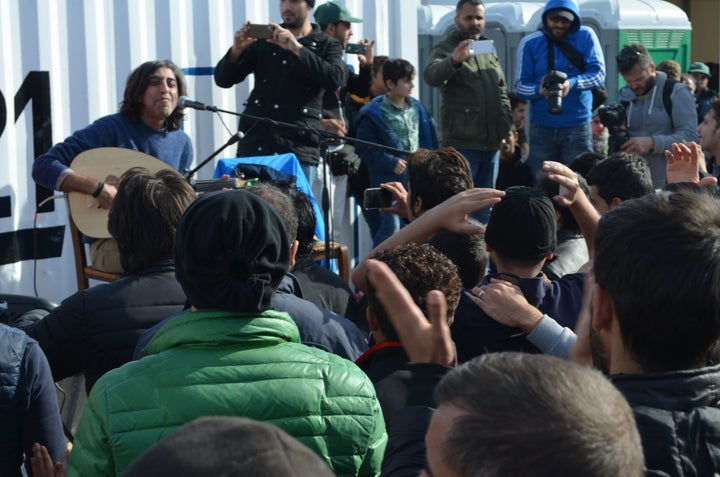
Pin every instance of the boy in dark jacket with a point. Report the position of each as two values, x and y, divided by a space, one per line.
396 120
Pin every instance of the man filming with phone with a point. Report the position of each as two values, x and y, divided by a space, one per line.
475 115
292 68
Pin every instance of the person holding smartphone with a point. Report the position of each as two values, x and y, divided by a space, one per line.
292 69
475 115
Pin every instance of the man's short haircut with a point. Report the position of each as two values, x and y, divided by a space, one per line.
467 252
715 108
515 100
657 258
535 415
435 175
631 55
145 213
584 162
395 69
624 175
420 268
280 200
378 62
671 68
461 3
136 85
306 222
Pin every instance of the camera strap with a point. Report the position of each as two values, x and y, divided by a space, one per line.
576 58
570 52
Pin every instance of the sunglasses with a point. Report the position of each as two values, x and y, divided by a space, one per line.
629 57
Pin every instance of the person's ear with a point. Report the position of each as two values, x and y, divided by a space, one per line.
293 251
603 309
417 206
616 201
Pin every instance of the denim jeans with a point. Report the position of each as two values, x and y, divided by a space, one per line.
557 144
310 171
484 168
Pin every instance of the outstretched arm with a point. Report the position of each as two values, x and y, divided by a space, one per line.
573 197
505 303
450 215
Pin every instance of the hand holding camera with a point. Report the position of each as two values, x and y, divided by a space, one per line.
554 87
613 117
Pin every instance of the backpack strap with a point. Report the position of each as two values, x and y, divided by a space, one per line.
667 91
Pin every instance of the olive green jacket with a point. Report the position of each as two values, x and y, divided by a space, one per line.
475 112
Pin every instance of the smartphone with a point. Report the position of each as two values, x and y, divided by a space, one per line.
478 47
377 198
262 32
356 48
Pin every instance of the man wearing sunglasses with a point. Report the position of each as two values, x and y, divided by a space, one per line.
559 66
659 111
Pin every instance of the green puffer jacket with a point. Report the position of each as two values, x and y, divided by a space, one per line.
214 363
475 112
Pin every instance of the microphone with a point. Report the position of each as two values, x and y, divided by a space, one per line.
185 102
235 138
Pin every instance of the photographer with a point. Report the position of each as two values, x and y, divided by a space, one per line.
560 65
659 111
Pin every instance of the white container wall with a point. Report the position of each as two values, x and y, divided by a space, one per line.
64 64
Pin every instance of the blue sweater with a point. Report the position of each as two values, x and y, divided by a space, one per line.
115 130
532 61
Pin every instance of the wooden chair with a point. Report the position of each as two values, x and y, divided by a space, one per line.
338 251
83 271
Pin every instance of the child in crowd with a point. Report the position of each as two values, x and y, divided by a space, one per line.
397 120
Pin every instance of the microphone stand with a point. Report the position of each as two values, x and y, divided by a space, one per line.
325 135
190 173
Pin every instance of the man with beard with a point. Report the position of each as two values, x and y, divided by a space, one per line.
656 323
292 70
149 121
652 323
656 118
562 61
475 115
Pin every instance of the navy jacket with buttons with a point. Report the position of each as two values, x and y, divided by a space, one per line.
288 89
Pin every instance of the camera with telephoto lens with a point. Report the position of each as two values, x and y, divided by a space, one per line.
553 82
613 117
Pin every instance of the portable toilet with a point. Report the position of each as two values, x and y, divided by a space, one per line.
662 27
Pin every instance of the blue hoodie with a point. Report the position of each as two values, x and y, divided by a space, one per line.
532 61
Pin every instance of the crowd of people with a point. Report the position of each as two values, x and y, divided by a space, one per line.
540 300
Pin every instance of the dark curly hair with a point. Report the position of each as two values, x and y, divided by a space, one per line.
420 268
435 175
136 85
